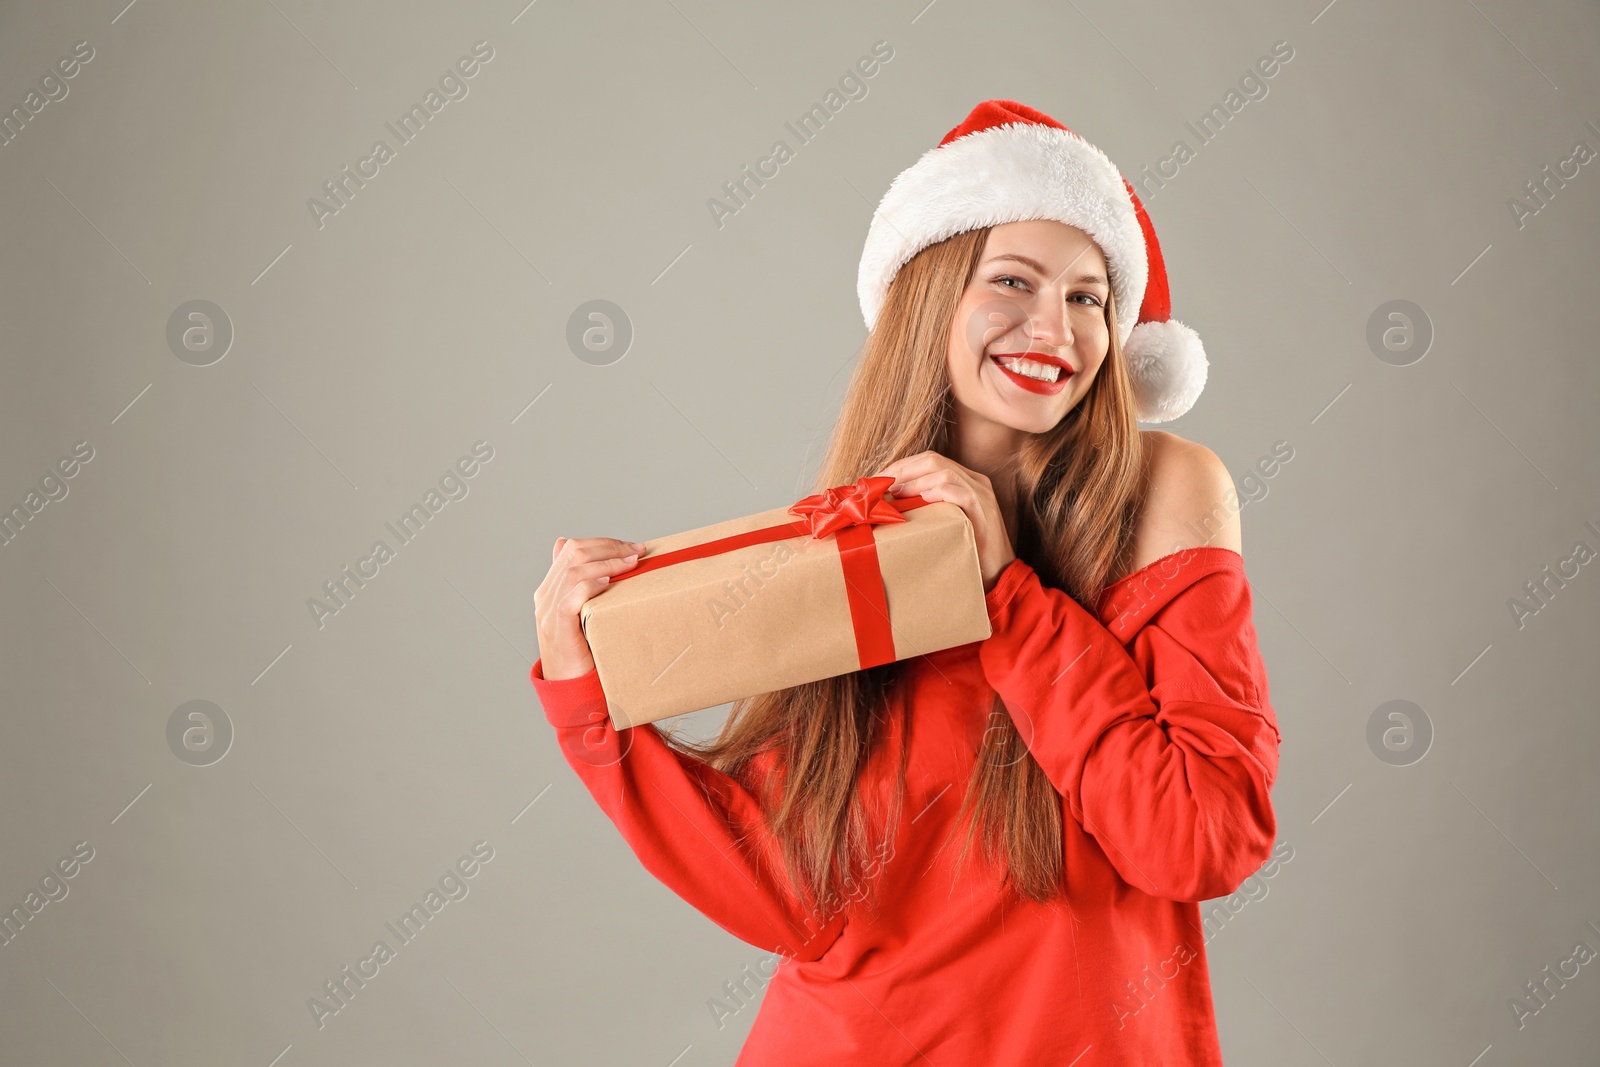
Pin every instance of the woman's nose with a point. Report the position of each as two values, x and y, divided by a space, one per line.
1049 324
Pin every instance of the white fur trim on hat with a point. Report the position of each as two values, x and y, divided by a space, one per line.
1167 364
1008 173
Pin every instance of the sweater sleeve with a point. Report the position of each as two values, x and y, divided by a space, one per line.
699 831
1164 750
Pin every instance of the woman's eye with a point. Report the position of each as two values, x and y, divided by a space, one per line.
1008 278
1094 301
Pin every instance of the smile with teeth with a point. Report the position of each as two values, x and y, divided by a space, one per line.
1045 372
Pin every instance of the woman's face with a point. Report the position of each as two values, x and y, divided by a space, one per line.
1039 294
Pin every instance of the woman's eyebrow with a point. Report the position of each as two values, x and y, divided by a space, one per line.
1036 265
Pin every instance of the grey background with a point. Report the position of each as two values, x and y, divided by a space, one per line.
428 314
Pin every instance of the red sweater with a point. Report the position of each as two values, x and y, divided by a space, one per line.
1153 723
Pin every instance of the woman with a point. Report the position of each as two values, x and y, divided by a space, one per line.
1111 743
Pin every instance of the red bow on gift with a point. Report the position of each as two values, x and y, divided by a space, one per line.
849 512
848 505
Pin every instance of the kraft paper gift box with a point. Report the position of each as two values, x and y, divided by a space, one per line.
837 582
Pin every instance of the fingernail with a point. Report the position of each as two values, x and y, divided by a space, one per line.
630 559
604 578
637 544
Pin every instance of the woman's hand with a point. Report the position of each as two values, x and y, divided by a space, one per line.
580 567
935 477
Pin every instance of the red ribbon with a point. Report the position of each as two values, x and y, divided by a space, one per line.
849 513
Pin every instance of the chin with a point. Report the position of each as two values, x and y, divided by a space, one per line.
1029 422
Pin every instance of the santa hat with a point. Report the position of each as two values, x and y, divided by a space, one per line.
1007 163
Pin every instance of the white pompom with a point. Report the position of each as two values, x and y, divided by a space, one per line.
1167 364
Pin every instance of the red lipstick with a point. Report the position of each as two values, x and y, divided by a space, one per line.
1034 385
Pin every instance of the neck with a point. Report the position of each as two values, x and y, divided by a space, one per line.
991 449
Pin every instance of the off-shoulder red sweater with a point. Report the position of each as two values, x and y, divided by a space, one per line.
1153 723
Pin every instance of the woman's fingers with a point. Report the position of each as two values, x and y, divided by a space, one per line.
601 569
585 549
579 560
587 563
913 484
577 595
936 477
580 568
959 495
923 464
920 463
584 581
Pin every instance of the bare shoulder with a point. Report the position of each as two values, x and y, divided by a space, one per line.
1189 500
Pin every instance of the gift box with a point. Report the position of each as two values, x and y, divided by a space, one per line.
836 582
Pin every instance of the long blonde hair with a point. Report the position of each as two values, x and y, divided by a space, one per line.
1078 485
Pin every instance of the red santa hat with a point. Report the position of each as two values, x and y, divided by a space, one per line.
1007 163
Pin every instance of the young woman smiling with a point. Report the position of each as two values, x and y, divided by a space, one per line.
1111 744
